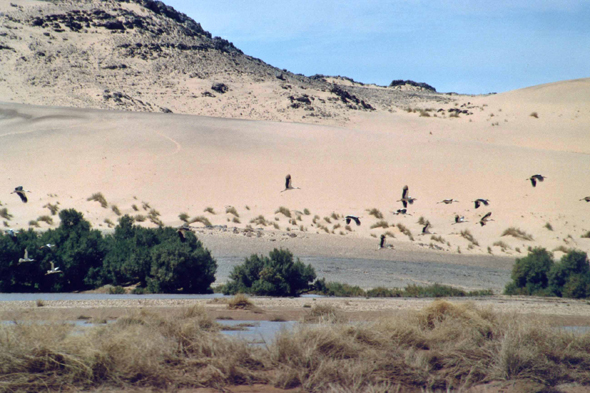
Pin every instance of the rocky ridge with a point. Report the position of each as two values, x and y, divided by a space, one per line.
142 55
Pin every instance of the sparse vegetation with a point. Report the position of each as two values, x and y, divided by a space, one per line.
4 214
327 219
375 212
139 218
380 224
232 210
467 235
183 217
439 239
134 207
284 211
240 302
335 216
34 223
209 210
154 217
98 197
109 223
146 206
52 208
116 210
535 115
306 212
402 228
202 219
435 290
549 226
260 220
503 246
517 233
46 219
586 235
236 220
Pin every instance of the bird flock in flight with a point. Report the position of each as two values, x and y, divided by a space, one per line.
406 200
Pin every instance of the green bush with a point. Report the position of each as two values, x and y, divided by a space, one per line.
537 274
275 275
572 267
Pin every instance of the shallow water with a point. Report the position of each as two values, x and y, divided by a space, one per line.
261 333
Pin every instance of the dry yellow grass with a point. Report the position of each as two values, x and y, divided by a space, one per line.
445 346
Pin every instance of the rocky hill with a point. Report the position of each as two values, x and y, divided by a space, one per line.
142 55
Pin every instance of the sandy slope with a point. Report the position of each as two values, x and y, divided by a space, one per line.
182 163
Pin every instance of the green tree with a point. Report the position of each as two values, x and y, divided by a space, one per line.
275 275
530 274
573 266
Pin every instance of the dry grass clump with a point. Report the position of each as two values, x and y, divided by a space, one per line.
306 212
240 302
335 216
283 210
116 209
183 217
467 235
260 220
535 115
154 217
52 208
46 219
437 238
324 313
380 224
4 214
139 218
135 208
236 220
34 223
549 226
327 219
517 233
502 245
375 212
444 347
586 235
109 223
98 197
202 219
402 228
209 209
232 210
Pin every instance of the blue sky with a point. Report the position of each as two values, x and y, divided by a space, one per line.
464 46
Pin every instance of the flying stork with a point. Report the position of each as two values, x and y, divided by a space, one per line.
534 179
447 201
26 258
53 269
21 193
288 185
459 219
406 198
484 220
480 201
353 218
425 230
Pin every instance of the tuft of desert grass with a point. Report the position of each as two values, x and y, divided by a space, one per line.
586 235
380 224
240 302
260 220
139 218
236 220
517 233
437 238
46 219
202 219
534 114
34 223
98 197
116 210
154 217
502 245
4 214
549 226
232 210
375 212
209 210
135 208
53 209
306 212
467 235
324 313
109 223
402 228
284 211
183 217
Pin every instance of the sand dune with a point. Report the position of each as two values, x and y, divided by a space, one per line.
183 163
